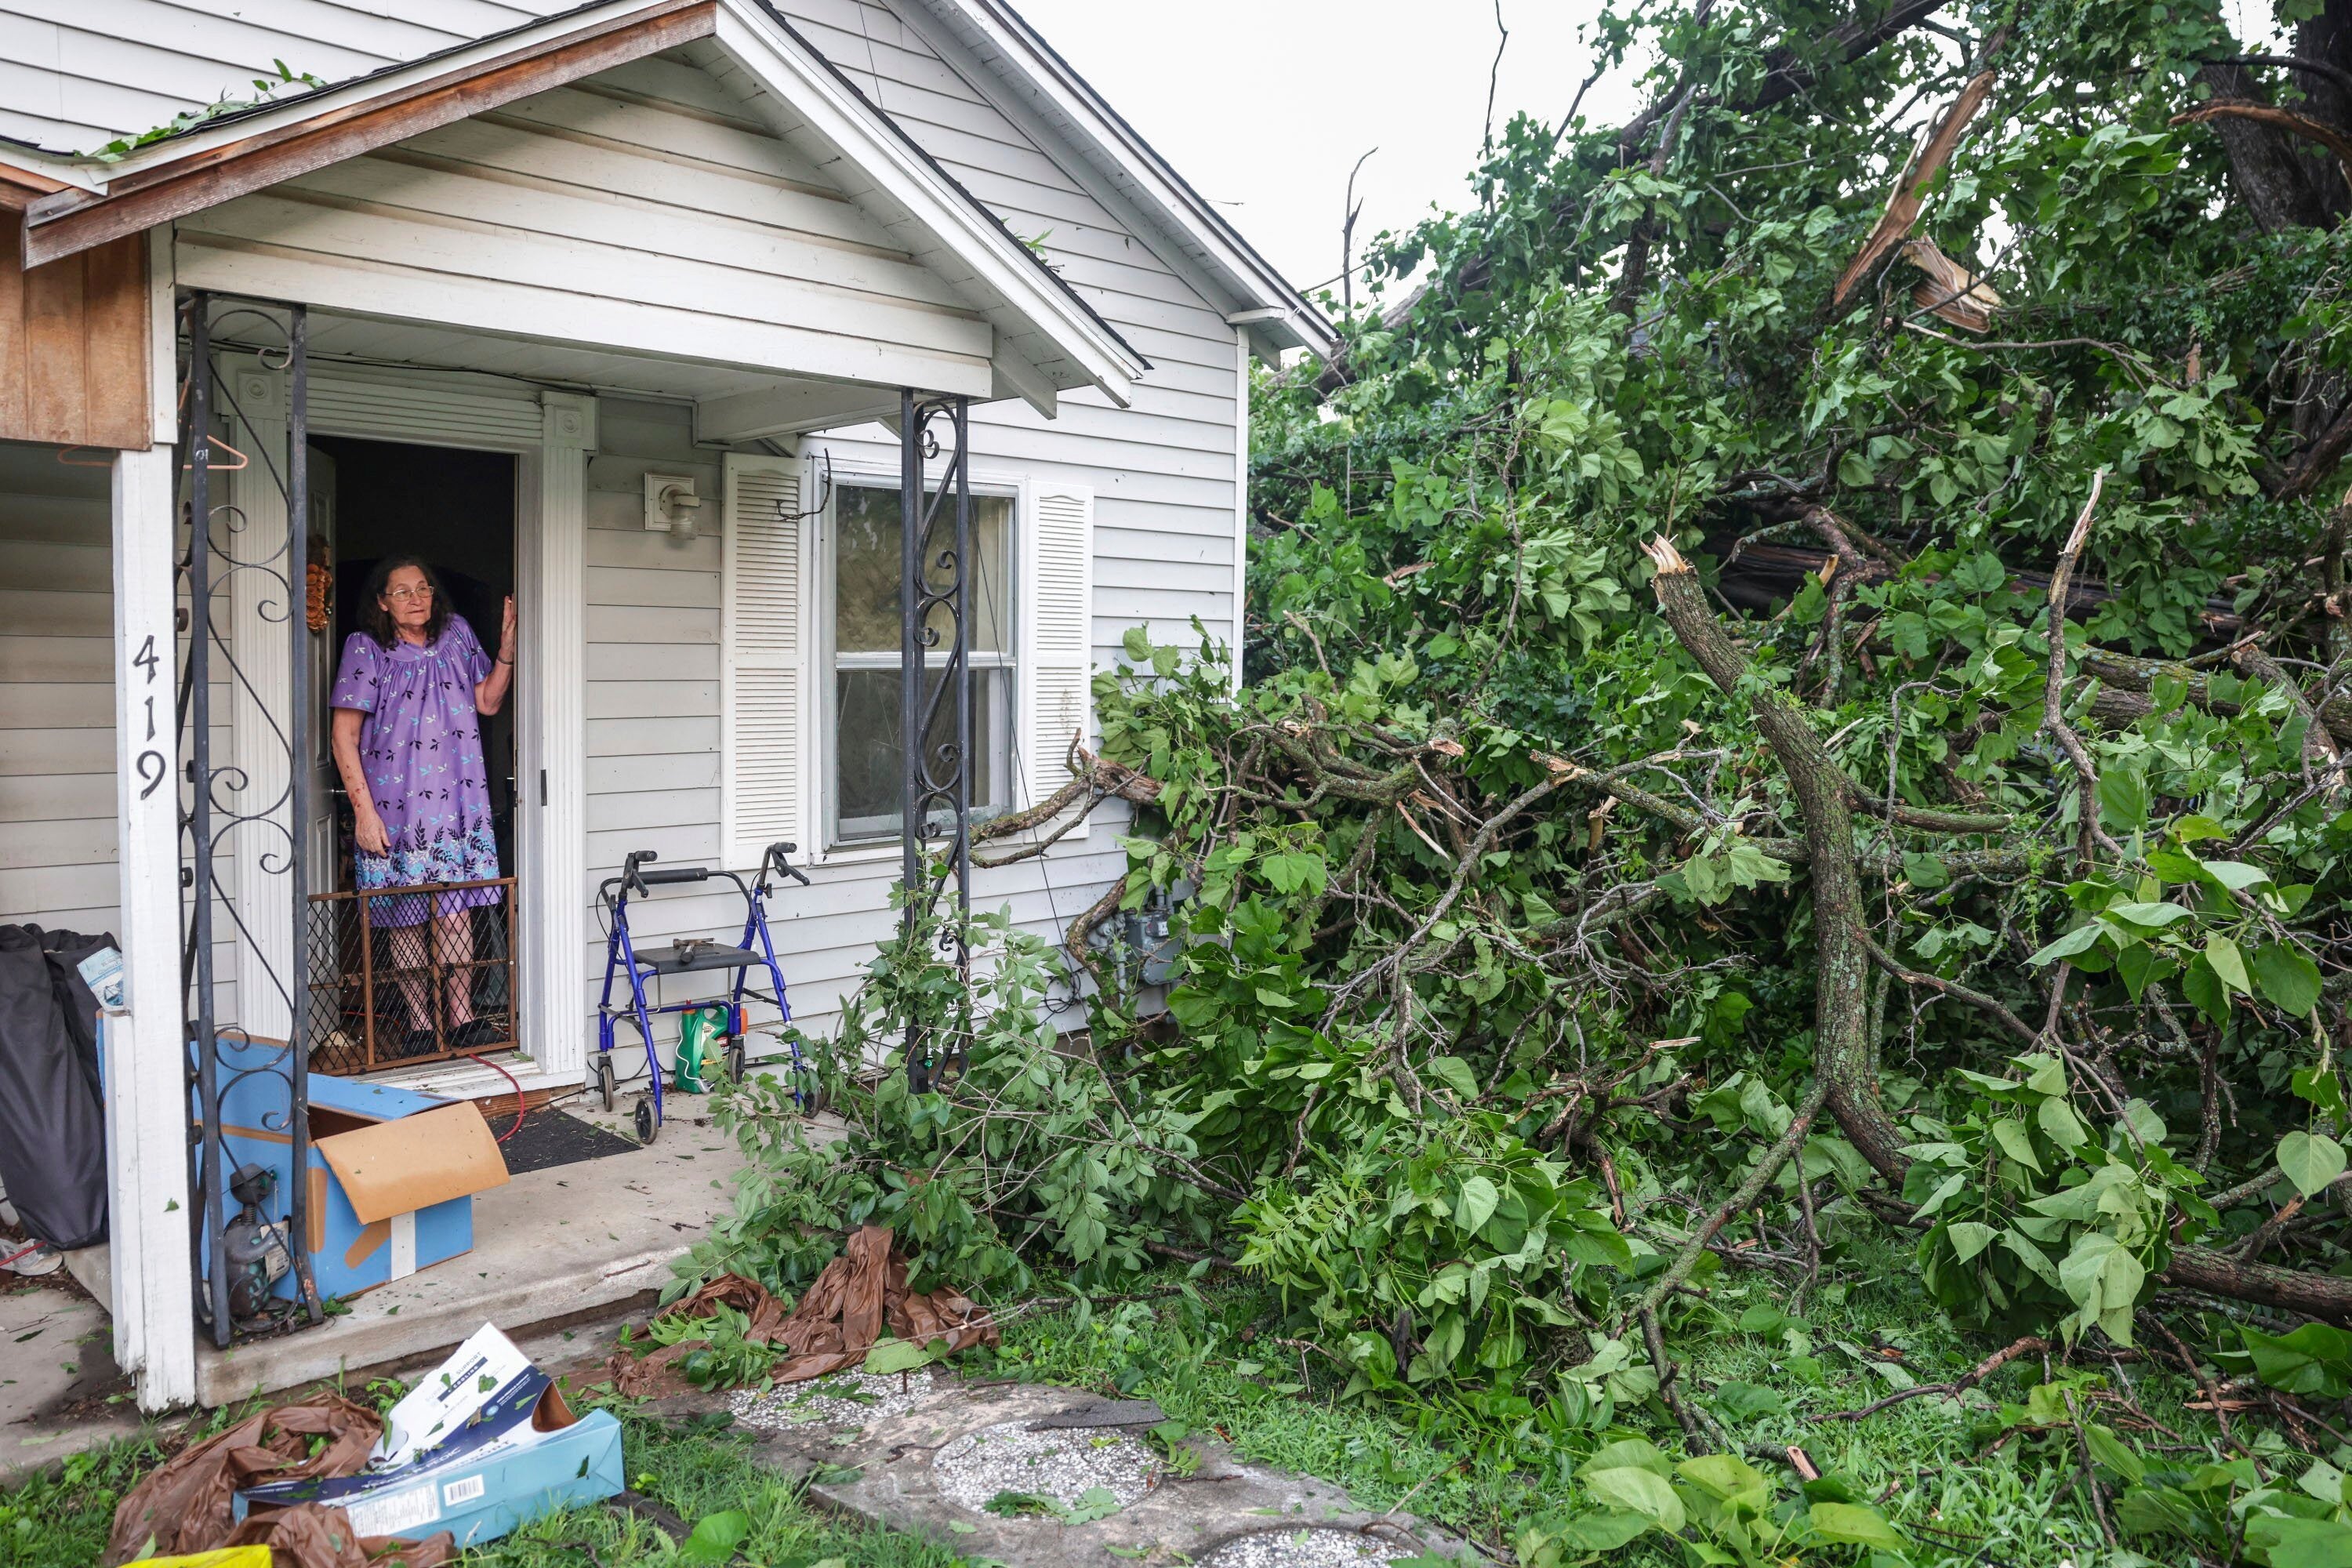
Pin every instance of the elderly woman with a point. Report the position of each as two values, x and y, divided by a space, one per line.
408 702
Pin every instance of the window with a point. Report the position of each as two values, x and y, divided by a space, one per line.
861 641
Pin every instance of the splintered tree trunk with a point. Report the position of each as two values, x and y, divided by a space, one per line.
1844 1056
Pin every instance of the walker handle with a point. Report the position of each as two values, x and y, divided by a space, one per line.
775 857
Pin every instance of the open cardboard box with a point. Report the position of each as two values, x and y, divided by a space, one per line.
391 1175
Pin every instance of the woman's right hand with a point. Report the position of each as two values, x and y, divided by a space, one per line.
367 831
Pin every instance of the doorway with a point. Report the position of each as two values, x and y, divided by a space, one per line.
456 509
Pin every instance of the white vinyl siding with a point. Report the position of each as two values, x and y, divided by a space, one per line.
636 212
57 692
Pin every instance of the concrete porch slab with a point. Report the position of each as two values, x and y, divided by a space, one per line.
574 1242
56 1369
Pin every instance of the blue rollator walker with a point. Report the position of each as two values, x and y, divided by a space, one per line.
691 955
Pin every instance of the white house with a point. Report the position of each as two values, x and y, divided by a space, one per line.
613 308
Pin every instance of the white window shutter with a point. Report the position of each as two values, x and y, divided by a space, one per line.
764 704
1057 597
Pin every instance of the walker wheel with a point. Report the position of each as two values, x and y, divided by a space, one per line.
605 1081
738 1059
809 1090
645 1128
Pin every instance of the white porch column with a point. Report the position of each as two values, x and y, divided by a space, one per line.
552 734
154 1301
261 720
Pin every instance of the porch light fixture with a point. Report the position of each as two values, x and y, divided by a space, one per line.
671 504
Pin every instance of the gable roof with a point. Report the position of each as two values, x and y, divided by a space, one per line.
1258 295
1057 341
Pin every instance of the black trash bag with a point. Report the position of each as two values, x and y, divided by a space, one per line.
52 1128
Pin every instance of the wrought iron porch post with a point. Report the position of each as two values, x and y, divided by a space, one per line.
213 564
935 758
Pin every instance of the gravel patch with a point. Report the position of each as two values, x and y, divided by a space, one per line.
1310 1548
1062 1466
844 1399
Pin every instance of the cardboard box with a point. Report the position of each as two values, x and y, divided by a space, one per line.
482 1445
391 1175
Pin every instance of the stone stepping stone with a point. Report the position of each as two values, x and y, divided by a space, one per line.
927 1458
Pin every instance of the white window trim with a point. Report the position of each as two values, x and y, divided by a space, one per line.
825 732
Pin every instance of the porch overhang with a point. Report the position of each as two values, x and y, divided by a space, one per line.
1041 339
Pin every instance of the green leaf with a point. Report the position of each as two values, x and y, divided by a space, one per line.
2067 946
2205 991
1925 872
2287 978
2229 964
2235 875
1725 1477
2059 1120
901 1356
1455 1074
2289 1542
1604 1532
1477 1202
1850 1524
2154 916
2311 1161
2123 799
2010 1135
1633 1491
716 1537
1969 1238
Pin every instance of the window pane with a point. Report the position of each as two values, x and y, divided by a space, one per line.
865 571
865 789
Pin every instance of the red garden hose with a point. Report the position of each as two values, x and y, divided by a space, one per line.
518 1088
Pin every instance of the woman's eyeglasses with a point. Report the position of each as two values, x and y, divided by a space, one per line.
401 595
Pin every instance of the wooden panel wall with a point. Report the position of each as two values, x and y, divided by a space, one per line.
73 343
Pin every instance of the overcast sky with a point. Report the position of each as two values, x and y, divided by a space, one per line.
1264 105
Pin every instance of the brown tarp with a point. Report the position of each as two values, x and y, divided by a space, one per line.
184 1508
831 1329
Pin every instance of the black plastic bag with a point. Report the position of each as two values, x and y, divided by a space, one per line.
52 1127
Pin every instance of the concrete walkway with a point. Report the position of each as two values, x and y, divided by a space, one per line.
882 1462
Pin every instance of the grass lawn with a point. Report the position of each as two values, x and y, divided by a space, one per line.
1205 1356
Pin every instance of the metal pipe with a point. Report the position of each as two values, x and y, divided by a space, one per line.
910 674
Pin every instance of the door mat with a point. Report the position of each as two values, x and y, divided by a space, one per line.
550 1137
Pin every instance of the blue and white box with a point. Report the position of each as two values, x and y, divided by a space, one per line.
483 1445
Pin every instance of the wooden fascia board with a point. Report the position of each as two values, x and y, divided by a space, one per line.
71 221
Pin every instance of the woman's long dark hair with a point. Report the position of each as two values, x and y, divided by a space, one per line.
377 620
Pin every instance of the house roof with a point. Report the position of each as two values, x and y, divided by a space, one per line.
248 149
1259 295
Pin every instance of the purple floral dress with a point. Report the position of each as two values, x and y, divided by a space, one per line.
421 749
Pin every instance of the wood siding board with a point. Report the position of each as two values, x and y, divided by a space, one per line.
116 321
56 406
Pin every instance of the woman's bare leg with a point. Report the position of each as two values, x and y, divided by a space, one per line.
453 938
408 965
